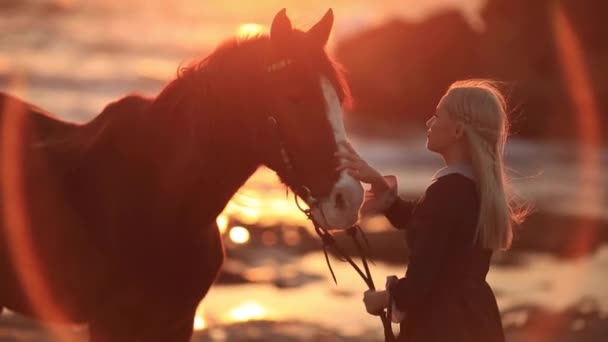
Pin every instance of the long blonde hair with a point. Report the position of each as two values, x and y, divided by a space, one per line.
481 108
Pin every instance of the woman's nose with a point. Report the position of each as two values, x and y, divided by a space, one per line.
428 122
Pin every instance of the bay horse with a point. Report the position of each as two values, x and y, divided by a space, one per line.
112 222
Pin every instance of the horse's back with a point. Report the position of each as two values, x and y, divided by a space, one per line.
36 222
45 124
22 126
59 194
91 246
41 160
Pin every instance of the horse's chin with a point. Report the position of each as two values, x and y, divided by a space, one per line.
330 218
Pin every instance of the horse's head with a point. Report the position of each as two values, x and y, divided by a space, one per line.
304 123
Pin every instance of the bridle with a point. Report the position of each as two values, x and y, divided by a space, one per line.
327 238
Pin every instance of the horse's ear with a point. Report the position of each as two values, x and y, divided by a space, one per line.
320 31
281 27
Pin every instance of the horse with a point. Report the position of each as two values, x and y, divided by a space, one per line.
111 222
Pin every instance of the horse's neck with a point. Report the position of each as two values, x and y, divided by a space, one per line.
220 178
188 167
216 146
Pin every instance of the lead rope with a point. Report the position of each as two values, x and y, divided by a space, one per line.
326 237
328 240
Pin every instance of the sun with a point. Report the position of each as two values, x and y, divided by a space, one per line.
250 30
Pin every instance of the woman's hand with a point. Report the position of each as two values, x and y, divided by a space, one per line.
375 301
360 169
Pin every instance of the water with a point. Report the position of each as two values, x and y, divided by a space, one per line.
543 280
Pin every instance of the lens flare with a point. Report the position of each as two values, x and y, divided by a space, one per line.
576 77
24 256
580 91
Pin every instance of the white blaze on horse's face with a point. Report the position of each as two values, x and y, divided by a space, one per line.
340 209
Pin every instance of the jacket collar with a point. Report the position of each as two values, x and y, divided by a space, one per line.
461 169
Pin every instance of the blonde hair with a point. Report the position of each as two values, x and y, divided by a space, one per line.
481 108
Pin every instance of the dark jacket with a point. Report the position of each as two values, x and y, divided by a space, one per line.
444 294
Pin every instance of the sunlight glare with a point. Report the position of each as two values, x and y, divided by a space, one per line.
247 312
30 272
199 323
239 235
250 30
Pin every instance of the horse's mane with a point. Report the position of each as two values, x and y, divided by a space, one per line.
252 51
203 87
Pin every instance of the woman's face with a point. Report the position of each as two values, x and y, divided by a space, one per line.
443 130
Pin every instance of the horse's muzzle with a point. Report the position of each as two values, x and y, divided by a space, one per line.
339 210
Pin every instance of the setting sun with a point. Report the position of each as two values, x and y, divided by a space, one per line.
250 30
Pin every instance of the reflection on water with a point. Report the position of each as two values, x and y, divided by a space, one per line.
199 322
262 201
239 235
247 311
542 280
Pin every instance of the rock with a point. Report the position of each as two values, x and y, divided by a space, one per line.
578 323
399 71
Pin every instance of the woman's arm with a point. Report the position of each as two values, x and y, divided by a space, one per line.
400 212
382 197
387 201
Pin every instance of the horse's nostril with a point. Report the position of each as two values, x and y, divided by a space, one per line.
340 203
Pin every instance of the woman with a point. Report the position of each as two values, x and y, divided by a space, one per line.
452 231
